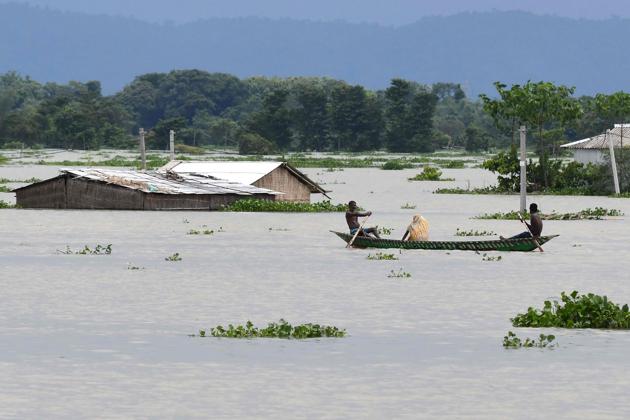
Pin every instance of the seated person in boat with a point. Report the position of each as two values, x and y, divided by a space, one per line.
535 224
352 218
418 230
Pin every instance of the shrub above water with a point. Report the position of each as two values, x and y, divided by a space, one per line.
576 311
255 205
281 329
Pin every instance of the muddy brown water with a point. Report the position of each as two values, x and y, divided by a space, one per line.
84 336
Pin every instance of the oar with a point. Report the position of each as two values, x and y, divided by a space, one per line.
357 232
530 232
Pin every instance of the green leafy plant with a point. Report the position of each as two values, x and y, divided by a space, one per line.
86 250
5 205
200 232
398 274
408 206
385 231
134 267
254 205
576 311
174 257
473 191
474 232
598 213
4 189
430 173
396 165
486 257
381 256
511 341
281 329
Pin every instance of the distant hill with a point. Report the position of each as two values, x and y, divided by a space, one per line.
472 48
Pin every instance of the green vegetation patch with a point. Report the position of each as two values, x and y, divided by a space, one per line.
379 256
4 188
255 205
200 232
430 173
408 206
511 341
474 232
5 205
174 257
576 311
473 191
86 250
152 162
3 159
397 164
330 163
281 329
399 274
598 213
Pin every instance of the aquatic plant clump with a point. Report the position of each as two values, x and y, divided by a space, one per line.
379 256
86 250
396 165
598 213
576 311
254 205
429 173
174 257
399 274
511 341
474 232
281 329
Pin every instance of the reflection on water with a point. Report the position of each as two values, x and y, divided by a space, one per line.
83 334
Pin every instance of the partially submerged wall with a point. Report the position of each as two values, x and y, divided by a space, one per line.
280 179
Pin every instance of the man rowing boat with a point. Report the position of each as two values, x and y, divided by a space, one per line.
535 225
352 218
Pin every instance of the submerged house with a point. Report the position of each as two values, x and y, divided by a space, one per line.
130 190
276 176
594 149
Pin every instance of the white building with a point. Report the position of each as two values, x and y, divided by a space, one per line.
593 149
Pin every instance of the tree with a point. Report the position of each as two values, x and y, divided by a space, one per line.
409 115
540 106
311 117
356 122
273 122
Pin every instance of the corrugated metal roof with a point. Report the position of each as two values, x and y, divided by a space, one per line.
153 182
243 172
601 141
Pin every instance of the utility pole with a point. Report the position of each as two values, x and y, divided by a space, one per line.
523 165
613 163
172 144
143 155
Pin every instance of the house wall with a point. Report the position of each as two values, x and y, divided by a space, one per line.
87 194
281 180
80 193
49 194
588 156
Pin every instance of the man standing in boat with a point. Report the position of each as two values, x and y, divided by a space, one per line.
535 225
352 218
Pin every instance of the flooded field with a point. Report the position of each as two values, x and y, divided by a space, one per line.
84 336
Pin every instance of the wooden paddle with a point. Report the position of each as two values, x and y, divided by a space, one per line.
530 232
357 232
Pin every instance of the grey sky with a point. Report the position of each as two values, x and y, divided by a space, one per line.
390 12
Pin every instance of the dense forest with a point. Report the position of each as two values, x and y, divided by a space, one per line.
262 115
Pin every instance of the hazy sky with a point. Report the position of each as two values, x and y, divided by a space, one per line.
391 12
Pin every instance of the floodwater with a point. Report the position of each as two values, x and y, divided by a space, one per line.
84 336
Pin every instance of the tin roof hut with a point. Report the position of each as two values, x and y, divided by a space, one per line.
108 189
594 149
276 176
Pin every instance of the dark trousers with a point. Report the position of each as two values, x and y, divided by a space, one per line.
522 235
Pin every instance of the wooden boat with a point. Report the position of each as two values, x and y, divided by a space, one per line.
523 245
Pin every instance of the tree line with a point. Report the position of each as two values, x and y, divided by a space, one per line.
263 115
